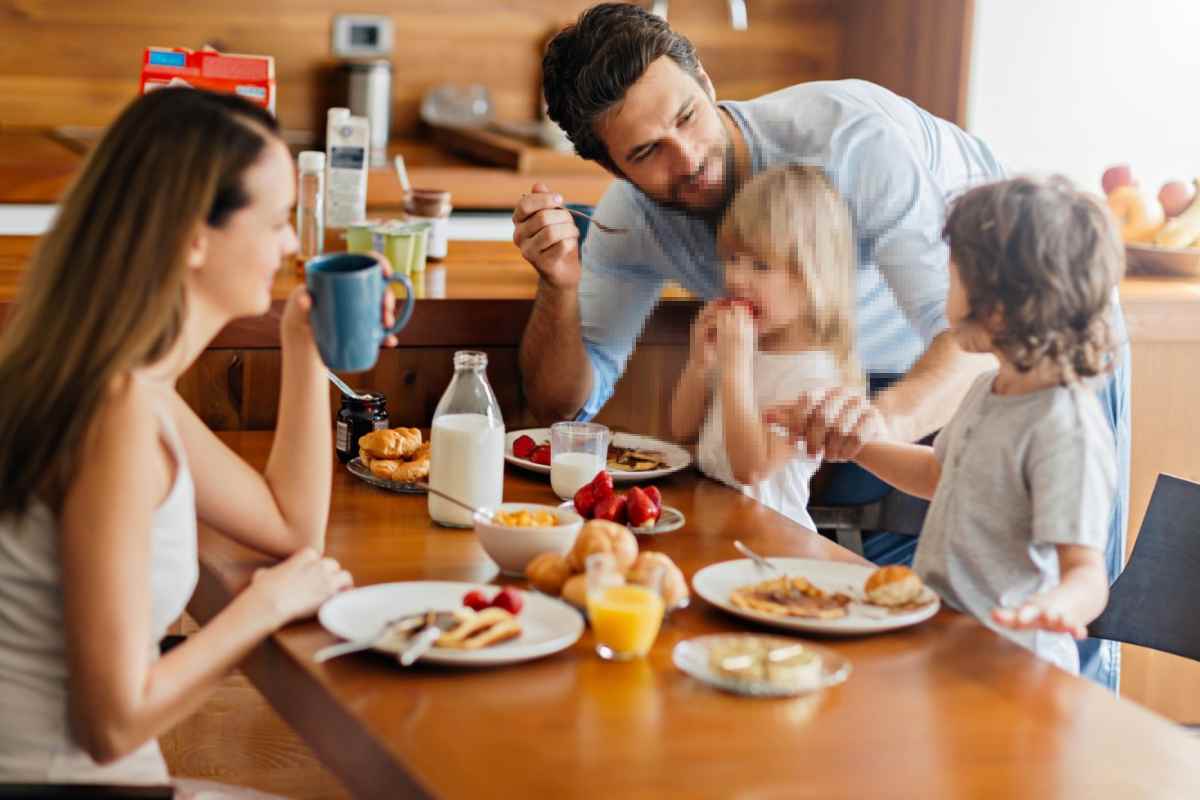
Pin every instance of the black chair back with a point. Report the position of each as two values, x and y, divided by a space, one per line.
1154 602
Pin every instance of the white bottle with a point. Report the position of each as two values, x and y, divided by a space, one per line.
466 458
347 142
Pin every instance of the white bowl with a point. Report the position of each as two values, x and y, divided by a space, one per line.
514 548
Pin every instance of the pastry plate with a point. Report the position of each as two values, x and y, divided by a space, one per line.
360 470
692 657
547 624
716 582
675 456
671 519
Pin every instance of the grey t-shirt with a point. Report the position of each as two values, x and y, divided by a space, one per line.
1020 475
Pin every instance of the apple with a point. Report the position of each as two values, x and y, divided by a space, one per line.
1115 177
1175 197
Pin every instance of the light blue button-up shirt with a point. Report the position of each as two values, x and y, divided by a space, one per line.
894 164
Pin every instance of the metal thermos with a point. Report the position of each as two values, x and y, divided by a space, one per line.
370 85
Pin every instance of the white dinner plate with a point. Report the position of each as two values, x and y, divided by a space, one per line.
547 624
677 458
716 582
671 519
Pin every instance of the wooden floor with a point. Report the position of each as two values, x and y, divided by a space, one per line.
237 738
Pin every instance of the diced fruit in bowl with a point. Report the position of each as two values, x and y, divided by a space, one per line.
513 548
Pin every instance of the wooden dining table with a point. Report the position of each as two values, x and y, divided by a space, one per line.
943 709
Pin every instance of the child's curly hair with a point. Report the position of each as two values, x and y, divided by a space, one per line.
1047 257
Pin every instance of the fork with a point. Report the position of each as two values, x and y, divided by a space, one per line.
595 222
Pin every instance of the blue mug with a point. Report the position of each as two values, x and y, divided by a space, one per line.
347 313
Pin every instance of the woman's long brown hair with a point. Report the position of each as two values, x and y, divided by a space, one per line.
104 291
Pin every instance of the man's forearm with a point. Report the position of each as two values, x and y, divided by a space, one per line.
927 397
554 364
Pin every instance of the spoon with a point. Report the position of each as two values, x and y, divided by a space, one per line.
483 512
402 174
345 388
597 223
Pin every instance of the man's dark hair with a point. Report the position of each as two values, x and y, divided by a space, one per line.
589 66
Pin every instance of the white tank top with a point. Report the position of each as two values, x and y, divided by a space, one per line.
778 378
35 736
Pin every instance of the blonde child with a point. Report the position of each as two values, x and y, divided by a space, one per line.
784 328
1023 477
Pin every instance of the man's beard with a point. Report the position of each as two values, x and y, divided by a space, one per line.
712 214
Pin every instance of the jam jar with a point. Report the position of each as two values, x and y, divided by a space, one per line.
358 418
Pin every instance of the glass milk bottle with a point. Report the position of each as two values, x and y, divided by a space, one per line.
466 444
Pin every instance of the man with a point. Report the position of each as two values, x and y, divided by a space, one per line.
632 95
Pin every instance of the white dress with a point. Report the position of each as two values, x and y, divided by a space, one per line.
778 378
35 737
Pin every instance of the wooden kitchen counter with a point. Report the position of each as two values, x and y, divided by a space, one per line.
37 166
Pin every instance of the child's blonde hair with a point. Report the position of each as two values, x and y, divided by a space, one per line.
793 215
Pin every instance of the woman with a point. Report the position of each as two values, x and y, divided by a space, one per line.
176 226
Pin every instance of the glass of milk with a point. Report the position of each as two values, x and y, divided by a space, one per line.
466 444
578 450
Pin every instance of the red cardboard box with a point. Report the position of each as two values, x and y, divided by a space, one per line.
251 77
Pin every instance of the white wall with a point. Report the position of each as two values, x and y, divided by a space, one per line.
1074 86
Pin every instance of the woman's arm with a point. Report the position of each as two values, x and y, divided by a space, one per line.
911 468
286 507
119 696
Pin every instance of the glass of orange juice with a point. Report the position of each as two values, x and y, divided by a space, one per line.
625 618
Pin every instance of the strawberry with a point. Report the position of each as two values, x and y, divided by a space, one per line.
523 446
602 484
541 455
655 497
508 599
612 508
476 600
585 501
640 508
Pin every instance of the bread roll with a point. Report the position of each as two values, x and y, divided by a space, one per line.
674 586
894 585
548 572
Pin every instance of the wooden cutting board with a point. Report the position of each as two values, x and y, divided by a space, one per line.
504 149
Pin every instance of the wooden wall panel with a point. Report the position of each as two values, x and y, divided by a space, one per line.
239 389
917 48
75 62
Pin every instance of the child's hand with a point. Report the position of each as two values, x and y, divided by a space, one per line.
704 336
736 334
1041 612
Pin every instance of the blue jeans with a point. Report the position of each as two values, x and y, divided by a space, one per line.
1099 659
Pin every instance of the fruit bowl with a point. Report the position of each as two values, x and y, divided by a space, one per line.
1146 259
513 548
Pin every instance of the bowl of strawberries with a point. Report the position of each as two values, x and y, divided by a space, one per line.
639 508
